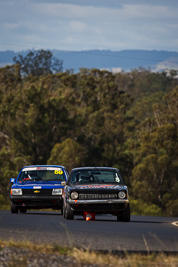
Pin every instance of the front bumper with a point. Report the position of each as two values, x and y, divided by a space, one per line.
108 206
98 201
37 201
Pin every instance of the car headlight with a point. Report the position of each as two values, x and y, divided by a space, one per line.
16 191
74 195
57 191
122 194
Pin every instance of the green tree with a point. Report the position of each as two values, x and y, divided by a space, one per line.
154 174
37 63
10 165
94 117
68 153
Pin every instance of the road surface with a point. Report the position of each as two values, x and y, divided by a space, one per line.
143 233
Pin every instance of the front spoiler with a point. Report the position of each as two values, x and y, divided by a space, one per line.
98 201
36 198
37 202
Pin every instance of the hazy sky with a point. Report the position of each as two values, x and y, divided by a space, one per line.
89 24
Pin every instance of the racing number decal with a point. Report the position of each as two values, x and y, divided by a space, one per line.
58 172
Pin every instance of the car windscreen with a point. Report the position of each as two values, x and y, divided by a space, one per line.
99 176
41 174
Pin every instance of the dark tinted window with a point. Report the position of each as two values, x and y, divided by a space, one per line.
95 176
42 174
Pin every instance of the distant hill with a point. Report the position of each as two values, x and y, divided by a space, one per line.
125 60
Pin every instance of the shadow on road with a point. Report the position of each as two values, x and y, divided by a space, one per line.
131 221
99 219
43 213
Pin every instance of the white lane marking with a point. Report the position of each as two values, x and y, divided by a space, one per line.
175 223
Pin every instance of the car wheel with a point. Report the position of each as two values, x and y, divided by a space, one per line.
23 210
126 214
14 208
69 214
119 217
64 211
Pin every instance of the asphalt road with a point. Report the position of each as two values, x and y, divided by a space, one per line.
143 233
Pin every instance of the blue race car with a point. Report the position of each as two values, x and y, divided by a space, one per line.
38 187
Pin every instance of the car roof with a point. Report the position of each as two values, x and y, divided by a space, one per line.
94 168
30 166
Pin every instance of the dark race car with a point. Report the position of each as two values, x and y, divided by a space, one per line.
96 190
37 187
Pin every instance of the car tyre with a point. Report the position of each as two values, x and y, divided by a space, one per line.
64 212
119 217
126 214
69 214
23 210
14 208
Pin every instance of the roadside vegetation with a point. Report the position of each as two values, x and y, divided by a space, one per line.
92 118
28 254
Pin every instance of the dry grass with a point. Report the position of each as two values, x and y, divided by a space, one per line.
125 260
44 248
91 257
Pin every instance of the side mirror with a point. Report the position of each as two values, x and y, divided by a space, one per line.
63 183
12 180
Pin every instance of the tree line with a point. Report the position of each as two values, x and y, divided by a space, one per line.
93 118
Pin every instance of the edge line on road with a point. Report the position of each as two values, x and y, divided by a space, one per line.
175 223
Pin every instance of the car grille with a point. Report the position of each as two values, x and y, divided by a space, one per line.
37 192
98 196
100 208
